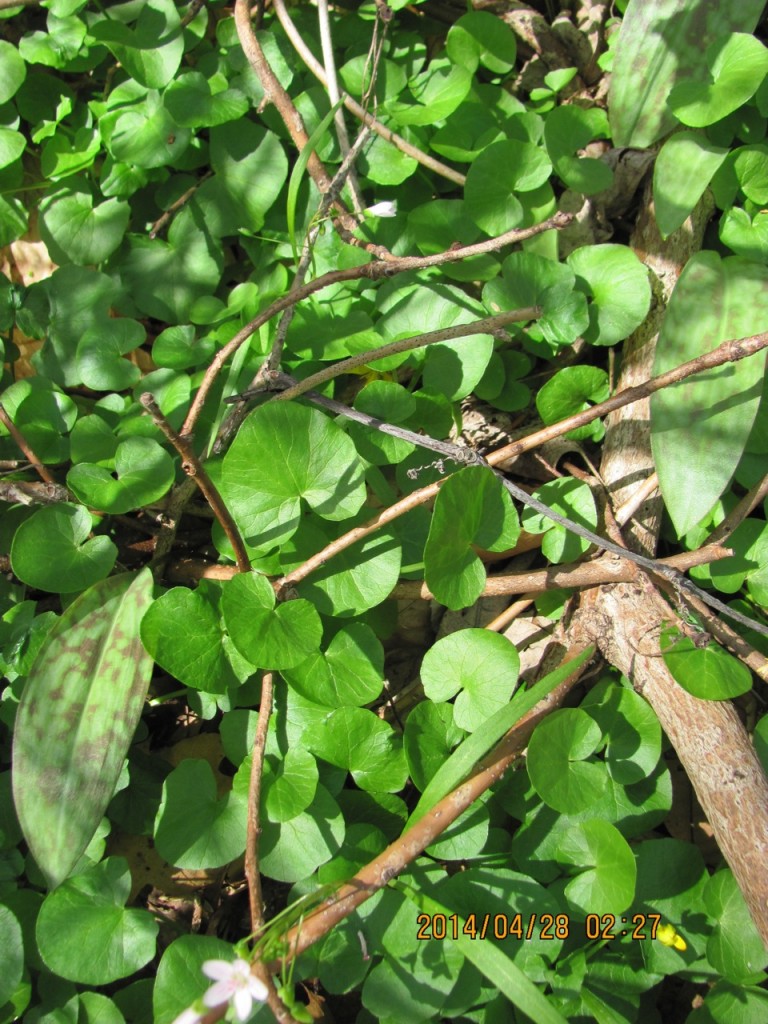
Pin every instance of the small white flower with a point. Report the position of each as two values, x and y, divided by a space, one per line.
234 984
386 208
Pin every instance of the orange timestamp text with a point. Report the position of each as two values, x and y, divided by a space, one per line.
536 926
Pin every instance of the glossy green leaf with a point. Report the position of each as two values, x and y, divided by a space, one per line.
76 719
182 632
78 231
572 390
557 761
468 753
735 948
147 135
502 170
437 91
605 882
572 499
270 636
617 288
569 129
481 667
749 167
358 578
472 510
357 740
683 169
289 784
151 51
630 728
322 468
86 933
294 849
530 280
12 145
52 551
737 67
13 71
180 979
11 949
699 427
192 103
710 673
349 673
44 415
100 352
662 43
429 737
478 38
188 265
207 833
391 403
145 472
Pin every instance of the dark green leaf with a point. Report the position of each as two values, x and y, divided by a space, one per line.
52 551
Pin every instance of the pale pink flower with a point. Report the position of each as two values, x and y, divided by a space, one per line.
234 984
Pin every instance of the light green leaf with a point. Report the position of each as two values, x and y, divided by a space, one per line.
76 719
289 784
180 979
557 761
530 280
479 38
182 632
710 673
360 742
661 43
11 948
630 728
144 471
12 145
429 737
205 833
481 667
735 948
349 673
75 230
292 850
192 103
13 71
147 136
570 391
320 466
737 68
683 169
272 637
100 352
151 52
438 91
52 551
617 287
569 129
472 510
606 877
502 170
572 499
463 759
85 932
700 427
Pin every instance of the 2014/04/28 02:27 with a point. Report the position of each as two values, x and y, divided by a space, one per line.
530 926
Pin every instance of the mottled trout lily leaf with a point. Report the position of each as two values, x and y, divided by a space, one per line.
77 716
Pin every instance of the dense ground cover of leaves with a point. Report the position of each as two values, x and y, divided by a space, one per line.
134 139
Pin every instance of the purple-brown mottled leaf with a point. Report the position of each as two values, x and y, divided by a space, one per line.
77 716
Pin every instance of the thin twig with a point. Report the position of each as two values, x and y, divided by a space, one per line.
334 95
470 457
192 11
183 199
252 873
354 107
737 515
372 271
488 325
728 352
194 469
26 448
